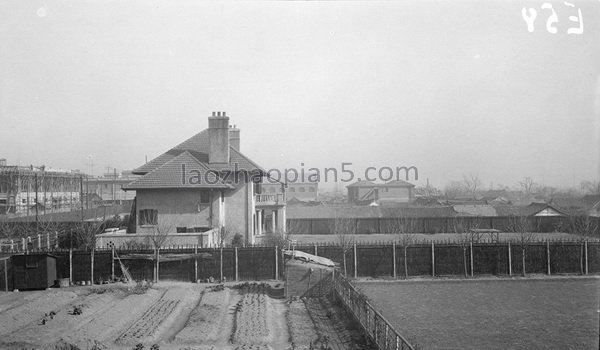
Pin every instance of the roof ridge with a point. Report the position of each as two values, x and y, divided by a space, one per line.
168 163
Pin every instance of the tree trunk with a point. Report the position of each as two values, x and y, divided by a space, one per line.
156 264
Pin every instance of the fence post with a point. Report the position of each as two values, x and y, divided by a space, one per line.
5 275
548 256
112 262
235 250
277 265
316 250
221 263
509 261
39 239
586 257
24 244
92 267
432 259
56 239
71 266
12 248
196 263
471 256
394 259
48 241
355 263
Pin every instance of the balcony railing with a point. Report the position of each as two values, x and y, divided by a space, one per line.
270 199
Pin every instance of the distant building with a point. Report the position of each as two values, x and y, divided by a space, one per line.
109 186
366 192
25 190
302 191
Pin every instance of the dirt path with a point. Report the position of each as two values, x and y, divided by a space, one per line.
171 315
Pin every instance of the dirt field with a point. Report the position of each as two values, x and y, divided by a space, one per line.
171 315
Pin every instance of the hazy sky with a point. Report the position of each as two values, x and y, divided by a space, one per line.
451 87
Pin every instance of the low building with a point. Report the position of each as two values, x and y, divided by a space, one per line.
109 187
33 271
300 191
366 192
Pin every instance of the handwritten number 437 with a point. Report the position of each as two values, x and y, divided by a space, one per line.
530 15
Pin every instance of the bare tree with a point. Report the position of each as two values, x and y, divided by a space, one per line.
454 189
344 228
466 229
527 185
471 183
590 187
520 225
158 236
86 237
85 233
404 227
583 227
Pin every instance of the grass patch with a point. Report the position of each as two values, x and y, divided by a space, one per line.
495 314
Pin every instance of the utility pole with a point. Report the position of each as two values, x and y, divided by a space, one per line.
114 184
81 194
36 202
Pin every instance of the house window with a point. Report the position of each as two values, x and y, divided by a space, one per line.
292 189
272 190
204 196
148 217
302 189
311 189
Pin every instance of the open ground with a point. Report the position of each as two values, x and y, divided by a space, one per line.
172 315
557 313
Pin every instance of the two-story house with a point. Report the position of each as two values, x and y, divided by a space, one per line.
203 184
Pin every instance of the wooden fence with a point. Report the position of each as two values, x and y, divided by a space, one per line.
435 224
375 326
362 260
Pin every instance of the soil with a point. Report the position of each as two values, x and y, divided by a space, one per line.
172 315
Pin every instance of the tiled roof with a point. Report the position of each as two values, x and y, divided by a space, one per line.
529 210
475 210
361 184
320 212
198 147
237 161
172 175
397 183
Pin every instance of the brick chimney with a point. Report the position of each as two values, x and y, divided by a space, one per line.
234 137
218 138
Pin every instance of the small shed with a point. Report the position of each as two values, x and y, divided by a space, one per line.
33 271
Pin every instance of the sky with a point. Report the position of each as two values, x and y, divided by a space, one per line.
450 87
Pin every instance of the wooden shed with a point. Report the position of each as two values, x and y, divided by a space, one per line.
33 271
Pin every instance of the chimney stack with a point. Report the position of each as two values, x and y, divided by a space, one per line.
218 138
234 137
